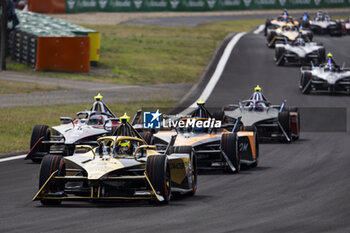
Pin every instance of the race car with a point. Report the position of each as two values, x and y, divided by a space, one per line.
88 126
323 24
288 32
299 52
327 77
280 21
272 121
119 168
215 147
344 25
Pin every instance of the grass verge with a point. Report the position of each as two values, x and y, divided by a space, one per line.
16 130
132 54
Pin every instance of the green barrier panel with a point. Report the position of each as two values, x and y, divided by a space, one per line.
74 6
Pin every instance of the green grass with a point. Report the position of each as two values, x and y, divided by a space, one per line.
133 54
16 129
7 87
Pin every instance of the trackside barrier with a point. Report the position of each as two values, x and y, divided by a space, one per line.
23 41
69 54
74 6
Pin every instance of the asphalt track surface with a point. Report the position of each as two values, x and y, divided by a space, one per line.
298 187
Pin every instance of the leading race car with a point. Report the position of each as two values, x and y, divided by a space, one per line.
88 126
271 121
299 52
323 24
215 147
327 77
280 21
288 32
119 168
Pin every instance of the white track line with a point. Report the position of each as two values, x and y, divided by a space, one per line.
259 29
207 90
13 158
217 74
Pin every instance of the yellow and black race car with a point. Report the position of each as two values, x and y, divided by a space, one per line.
280 21
121 167
288 32
215 147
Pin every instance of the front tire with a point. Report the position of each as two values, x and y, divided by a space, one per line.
158 172
284 120
230 148
49 165
305 80
279 51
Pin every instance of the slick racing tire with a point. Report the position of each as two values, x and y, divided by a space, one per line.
158 171
219 115
279 51
267 24
38 132
193 172
284 120
148 137
49 165
295 109
254 129
304 85
230 148
269 37
321 55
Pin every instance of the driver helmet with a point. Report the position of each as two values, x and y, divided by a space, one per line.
300 41
330 64
198 129
257 95
124 147
305 16
96 120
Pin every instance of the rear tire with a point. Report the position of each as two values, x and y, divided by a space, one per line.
49 165
148 137
38 132
158 172
321 55
295 109
230 148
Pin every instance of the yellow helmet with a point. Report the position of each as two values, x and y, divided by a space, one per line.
257 88
99 97
329 55
124 144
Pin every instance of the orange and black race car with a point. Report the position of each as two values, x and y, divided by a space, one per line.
214 145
